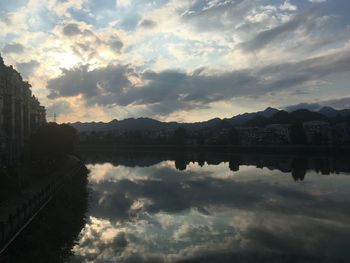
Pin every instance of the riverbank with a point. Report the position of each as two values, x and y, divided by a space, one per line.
18 210
270 149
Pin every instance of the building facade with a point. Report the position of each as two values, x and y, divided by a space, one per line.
20 113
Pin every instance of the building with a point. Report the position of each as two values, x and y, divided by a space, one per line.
274 134
317 132
20 113
340 134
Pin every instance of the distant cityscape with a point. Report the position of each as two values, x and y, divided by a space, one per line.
20 113
327 127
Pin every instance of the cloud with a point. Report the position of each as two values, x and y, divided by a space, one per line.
195 214
304 105
101 5
27 68
11 6
148 24
116 44
340 103
88 44
222 15
129 23
124 3
170 90
13 48
59 108
114 200
74 29
280 32
287 6
237 42
99 85
71 30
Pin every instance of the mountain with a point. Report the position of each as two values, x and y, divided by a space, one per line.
260 118
328 111
331 112
306 115
244 118
268 112
141 124
137 124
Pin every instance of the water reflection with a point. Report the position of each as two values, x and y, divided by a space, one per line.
296 165
197 207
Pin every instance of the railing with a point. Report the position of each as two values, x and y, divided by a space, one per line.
17 221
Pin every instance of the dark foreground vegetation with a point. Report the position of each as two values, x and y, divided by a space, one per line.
45 153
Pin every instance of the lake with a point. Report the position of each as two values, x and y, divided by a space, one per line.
207 207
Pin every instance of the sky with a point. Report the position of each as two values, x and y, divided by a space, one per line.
178 60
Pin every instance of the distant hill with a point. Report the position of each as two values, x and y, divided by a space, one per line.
244 118
141 124
330 112
265 117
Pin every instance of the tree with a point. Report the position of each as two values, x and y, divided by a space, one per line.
180 136
297 134
299 168
234 137
53 140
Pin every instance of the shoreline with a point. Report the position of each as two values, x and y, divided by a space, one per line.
18 211
271 149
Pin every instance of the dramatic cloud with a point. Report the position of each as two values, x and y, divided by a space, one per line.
178 60
97 85
170 90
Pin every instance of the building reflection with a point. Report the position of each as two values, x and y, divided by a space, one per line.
296 165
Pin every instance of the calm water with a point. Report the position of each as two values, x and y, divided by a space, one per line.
213 208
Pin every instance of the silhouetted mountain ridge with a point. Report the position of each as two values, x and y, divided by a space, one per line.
330 112
260 118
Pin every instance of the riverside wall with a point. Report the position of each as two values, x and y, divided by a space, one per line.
14 219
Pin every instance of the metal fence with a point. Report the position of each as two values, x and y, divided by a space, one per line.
26 212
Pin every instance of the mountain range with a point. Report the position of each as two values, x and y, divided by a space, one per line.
267 116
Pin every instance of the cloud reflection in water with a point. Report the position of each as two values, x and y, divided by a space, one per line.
160 214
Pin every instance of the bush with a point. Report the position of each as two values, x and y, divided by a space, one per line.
53 140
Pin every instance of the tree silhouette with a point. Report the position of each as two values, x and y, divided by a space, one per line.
53 140
297 134
180 136
234 137
299 167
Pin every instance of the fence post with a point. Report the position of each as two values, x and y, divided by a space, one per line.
10 220
2 232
